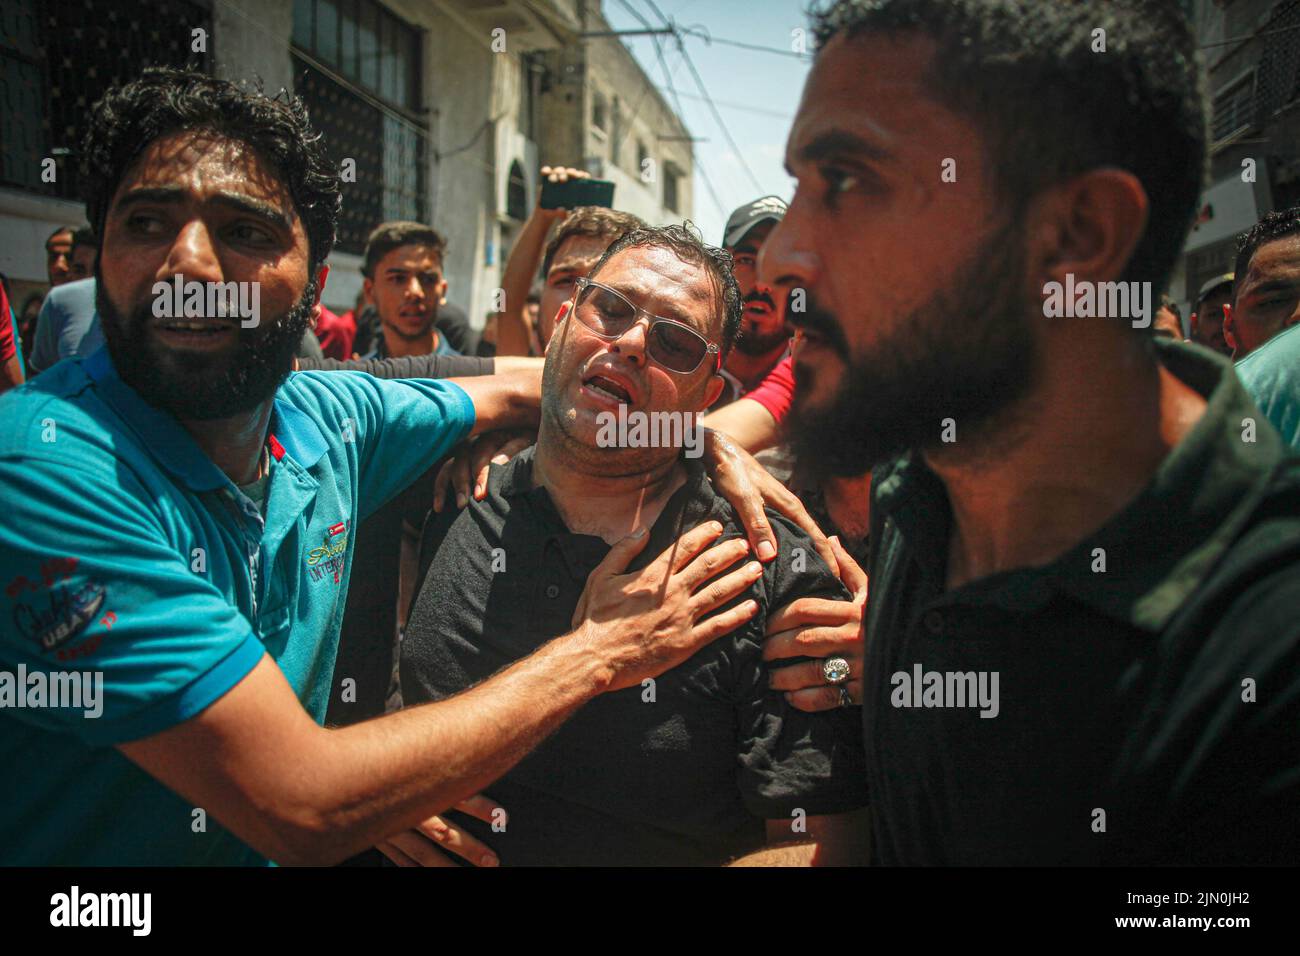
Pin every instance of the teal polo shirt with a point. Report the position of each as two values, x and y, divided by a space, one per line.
127 556
1271 376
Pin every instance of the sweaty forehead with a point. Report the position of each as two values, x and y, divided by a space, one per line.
662 283
415 257
578 254
201 163
1279 258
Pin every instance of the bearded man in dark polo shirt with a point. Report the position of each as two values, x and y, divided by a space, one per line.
1082 639
687 768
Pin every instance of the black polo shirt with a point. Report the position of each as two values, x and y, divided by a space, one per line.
1148 712
683 776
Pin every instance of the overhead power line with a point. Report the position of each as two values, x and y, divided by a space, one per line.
704 92
707 37
659 54
672 91
743 107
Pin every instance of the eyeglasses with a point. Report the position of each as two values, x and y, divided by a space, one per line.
609 313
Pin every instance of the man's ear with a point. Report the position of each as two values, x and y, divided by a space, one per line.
442 291
367 285
1089 226
711 393
1230 327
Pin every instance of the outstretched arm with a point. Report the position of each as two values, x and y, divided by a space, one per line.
300 793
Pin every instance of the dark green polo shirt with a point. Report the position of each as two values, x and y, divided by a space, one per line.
683 772
1145 713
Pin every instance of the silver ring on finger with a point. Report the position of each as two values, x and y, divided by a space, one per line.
835 670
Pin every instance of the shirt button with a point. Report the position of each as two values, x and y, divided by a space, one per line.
933 622
552 591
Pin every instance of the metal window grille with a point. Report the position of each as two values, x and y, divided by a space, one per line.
56 61
357 68
1278 81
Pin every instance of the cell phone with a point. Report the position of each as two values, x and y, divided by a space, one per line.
577 192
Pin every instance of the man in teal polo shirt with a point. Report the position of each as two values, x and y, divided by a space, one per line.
175 552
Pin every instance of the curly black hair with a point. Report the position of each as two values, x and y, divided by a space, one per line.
685 242
163 101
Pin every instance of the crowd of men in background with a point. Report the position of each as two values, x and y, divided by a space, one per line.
402 309
616 647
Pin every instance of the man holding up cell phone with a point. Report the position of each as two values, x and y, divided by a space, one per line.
585 233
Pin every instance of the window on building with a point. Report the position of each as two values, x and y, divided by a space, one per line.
672 175
642 158
1234 108
358 69
599 114
517 194
56 61
615 132
530 77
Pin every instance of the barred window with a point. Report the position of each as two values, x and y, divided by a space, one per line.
672 178
517 194
1279 60
58 59
358 69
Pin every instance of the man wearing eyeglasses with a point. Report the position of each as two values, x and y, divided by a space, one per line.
707 761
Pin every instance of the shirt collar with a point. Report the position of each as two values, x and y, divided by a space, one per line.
692 503
1161 546
159 431
177 452
298 434
379 350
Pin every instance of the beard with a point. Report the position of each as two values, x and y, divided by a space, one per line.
756 344
203 387
966 354
754 341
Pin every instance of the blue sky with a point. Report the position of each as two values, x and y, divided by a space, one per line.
757 93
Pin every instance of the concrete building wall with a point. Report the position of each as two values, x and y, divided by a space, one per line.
472 99
26 221
1251 51
564 107
250 39
458 93
643 139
